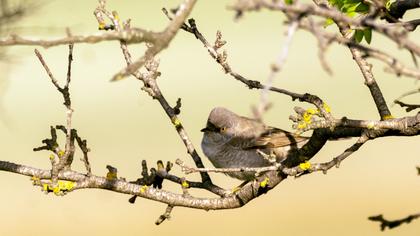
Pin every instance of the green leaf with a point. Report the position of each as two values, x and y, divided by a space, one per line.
350 6
358 35
328 22
368 35
351 14
336 3
362 8
288 2
388 4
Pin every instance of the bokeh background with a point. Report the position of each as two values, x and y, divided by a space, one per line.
123 126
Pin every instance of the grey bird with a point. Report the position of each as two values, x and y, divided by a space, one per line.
233 141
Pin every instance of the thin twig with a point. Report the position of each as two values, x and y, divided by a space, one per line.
47 69
165 216
408 107
275 69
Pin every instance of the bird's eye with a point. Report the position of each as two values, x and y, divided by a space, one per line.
223 129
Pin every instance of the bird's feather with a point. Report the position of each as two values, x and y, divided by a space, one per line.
274 137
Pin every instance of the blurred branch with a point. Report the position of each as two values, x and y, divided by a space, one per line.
408 107
400 38
325 39
130 37
275 68
394 223
9 15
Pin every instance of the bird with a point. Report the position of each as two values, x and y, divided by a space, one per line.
233 141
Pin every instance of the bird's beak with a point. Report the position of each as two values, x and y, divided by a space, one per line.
210 128
205 129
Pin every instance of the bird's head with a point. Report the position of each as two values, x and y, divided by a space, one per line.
221 121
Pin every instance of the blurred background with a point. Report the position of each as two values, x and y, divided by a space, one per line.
123 126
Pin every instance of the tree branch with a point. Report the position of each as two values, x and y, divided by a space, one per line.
130 37
246 194
390 224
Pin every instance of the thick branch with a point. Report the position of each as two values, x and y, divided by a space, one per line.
246 194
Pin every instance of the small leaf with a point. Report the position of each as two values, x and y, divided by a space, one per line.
288 2
350 7
351 14
336 3
368 35
328 22
388 4
362 8
358 35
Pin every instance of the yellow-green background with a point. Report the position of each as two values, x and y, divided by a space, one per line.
123 126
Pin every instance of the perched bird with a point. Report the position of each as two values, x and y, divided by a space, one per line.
233 141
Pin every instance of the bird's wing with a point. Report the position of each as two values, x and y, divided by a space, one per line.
275 137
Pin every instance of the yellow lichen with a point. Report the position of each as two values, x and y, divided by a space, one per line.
35 180
371 125
301 125
160 165
51 157
61 187
185 184
65 185
305 165
143 188
60 153
388 117
176 121
101 25
116 16
264 183
307 116
111 175
312 111
326 107
56 190
45 187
